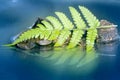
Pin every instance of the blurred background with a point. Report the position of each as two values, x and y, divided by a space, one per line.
18 15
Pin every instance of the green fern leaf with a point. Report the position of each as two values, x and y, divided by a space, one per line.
41 26
42 29
48 25
67 27
57 27
49 29
27 35
80 24
62 38
65 21
93 22
90 39
76 37
55 22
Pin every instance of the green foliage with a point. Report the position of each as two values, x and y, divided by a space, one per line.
57 27
93 23
63 31
80 25
67 26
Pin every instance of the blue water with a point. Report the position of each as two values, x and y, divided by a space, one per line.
18 15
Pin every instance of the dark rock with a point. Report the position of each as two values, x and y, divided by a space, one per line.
109 34
38 21
26 45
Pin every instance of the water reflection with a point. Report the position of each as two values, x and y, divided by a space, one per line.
68 60
109 49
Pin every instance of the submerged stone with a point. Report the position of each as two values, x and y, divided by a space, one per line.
44 42
26 45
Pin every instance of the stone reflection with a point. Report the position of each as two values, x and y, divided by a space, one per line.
109 49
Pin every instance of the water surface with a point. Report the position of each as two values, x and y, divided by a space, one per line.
18 15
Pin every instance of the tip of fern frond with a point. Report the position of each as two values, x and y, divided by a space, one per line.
70 7
58 13
49 17
81 6
8 45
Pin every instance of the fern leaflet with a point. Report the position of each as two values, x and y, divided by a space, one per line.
64 35
93 22
80 24
57 27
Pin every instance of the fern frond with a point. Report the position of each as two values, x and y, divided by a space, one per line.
48 25
57 27
55 22
32 33
93 22
49 29
90 39
64 35
80 24
65 21
76 37
41 26
62 29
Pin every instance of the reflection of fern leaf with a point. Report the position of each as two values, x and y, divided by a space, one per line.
64 58
55 55
90 56
76 57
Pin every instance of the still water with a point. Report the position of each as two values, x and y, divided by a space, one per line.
15 64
